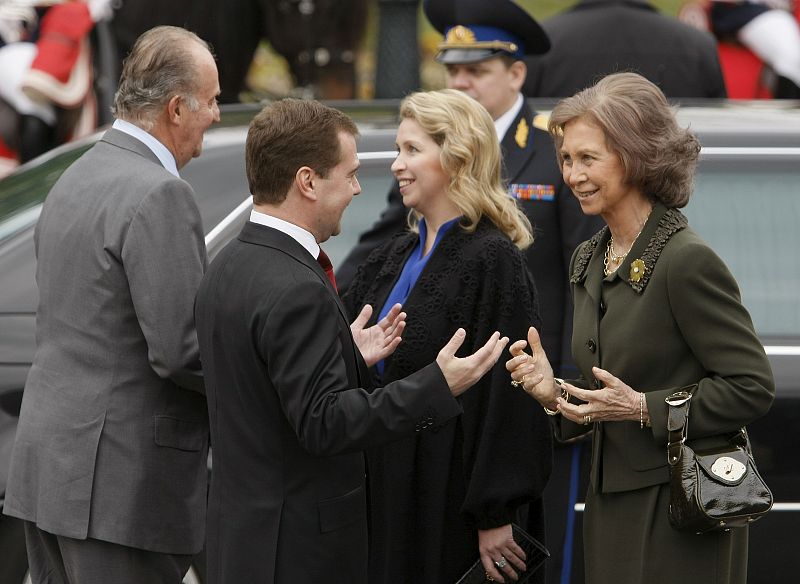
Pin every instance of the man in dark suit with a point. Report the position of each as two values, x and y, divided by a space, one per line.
287 380
483 49
109 463
598 37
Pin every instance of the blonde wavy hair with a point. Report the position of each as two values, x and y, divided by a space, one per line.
464 131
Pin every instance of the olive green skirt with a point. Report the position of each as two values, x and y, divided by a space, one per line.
628 539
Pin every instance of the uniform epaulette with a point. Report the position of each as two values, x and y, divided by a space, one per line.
540 121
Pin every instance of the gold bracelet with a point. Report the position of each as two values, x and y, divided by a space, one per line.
564 396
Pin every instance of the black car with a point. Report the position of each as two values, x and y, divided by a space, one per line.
746 205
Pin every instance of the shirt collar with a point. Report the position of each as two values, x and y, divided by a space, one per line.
503 123
300 235
162 153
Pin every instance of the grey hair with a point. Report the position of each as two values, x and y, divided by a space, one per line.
159 66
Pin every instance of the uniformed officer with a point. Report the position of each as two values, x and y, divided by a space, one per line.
483 47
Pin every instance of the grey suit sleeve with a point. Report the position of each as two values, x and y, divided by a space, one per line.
302 346
164 258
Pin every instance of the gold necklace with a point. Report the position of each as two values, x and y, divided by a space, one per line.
610 249
611 257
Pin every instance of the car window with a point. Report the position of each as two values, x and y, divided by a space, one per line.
747 210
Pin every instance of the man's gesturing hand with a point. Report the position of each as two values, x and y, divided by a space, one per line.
462 373
380 340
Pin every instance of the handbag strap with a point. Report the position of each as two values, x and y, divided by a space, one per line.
677 422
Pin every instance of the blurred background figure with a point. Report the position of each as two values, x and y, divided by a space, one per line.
759 44
47 90
598 37
318 38
52 91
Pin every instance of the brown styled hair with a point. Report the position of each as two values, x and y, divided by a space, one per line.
287 135
659 157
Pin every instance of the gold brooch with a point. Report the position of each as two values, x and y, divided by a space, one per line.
637 270
521 136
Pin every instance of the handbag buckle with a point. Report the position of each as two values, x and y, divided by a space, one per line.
728 468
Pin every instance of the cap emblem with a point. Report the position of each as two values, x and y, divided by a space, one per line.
460 34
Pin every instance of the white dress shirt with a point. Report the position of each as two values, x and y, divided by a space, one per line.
503 123
162 153
300 235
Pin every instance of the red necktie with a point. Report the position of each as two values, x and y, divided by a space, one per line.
326 264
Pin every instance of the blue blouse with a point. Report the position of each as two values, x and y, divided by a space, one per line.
412 269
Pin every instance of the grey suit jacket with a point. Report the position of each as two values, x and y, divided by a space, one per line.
113 433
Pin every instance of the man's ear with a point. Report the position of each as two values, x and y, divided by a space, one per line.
518 72
175 109
304 179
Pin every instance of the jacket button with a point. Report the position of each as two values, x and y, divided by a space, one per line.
602 307
591 345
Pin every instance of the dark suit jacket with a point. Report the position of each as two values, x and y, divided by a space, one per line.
598 37
558 222
291 415
682 324
111 443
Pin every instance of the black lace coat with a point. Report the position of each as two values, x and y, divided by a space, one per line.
429 494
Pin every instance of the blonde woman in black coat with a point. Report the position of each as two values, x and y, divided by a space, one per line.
656 311
442 499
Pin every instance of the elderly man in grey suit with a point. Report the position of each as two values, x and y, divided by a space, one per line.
109 464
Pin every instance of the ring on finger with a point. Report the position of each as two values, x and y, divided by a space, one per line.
587 419
515 383
501 563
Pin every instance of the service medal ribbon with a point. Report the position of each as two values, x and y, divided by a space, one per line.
530 192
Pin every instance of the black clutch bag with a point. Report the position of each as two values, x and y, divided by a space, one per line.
535 555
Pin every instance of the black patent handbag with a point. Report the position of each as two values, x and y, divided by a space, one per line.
711 490
535 556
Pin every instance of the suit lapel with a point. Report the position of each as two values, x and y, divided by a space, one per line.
272 238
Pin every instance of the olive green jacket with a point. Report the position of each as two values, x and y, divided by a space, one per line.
670 317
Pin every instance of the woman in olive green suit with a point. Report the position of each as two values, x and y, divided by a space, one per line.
656 310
